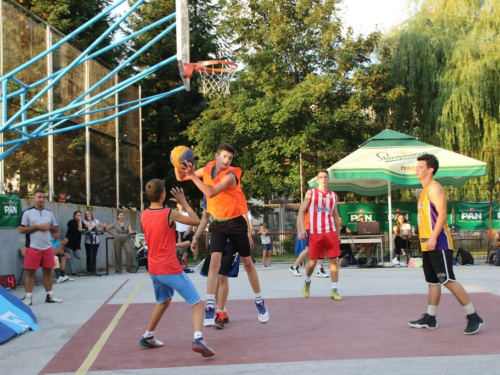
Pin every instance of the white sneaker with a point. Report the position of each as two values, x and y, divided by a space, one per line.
395 260
403 264
62 279
70 278
322 273
356 256
27 300
294 270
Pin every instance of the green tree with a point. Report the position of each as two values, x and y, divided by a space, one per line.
443 64
165 121
304 86
68 15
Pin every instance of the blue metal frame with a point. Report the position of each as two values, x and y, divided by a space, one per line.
48 123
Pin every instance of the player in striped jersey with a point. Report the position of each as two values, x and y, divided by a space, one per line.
437 248
324 226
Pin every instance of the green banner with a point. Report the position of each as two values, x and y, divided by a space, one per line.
10 206
476 216
378 212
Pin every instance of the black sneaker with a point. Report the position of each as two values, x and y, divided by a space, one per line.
474 322
200 346
426 321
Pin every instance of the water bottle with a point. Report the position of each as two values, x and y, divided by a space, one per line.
413 230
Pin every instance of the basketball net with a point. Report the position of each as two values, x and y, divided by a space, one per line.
216 76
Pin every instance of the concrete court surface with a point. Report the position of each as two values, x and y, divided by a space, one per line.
96 328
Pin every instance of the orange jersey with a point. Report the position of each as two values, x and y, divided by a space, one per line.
160 237
229 203
307 223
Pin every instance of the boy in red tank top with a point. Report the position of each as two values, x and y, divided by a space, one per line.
164 269
324 230
228 206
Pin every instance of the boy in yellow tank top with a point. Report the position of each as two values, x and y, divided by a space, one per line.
437 248
228 206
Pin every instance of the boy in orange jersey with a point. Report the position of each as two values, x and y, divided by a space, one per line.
164 269
437 248
226 202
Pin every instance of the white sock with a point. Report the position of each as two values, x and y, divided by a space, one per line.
29 294
469 309
334 285
149 334
432 310
197 334
258 298
210 300
50 293
308 279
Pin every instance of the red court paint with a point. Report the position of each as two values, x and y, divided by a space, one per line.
300 329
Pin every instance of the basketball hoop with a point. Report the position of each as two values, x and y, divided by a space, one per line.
216 76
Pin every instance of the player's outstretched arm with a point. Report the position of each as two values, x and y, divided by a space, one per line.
181 175
210 191
191 219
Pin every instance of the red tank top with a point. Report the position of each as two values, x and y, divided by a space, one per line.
161 241
321 210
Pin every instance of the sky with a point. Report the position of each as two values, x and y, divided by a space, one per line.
364 16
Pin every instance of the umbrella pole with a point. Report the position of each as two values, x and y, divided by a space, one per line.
391 249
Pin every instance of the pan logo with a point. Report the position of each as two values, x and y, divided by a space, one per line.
471 215
10 210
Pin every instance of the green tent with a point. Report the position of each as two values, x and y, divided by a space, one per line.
387 162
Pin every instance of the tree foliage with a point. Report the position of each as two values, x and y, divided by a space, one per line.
68 15
304 85
444 66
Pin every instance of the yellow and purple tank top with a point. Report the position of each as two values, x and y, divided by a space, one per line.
427 215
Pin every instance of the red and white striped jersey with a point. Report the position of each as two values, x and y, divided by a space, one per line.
321 210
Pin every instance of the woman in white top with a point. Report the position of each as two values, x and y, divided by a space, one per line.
92 240
402 231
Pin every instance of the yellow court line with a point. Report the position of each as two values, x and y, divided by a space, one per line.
89 361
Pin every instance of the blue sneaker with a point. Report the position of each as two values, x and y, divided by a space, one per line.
209 317
150 342
200 346
263 314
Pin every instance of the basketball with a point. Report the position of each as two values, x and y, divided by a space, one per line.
181 155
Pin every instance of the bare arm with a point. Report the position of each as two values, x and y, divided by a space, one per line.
436 196
181 175
60 248
34 228
337 220
250 230
228 180
191 219
200 230
300 217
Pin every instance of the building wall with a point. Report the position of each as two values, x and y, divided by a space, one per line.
12 240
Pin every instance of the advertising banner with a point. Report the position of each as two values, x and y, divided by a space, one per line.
10 206
476 216
378 212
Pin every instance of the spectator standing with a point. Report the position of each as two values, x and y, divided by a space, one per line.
37 223
122 230
74 236
92 240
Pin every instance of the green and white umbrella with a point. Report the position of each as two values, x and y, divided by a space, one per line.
387 162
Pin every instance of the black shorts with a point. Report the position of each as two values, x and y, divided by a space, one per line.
227 262
236 230
438 266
